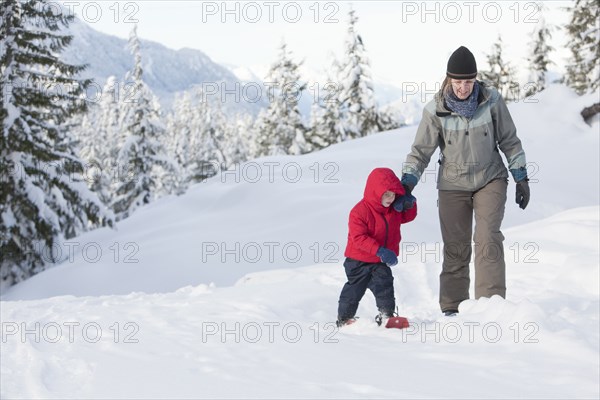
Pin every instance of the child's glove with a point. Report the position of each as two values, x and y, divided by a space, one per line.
404 203
387 256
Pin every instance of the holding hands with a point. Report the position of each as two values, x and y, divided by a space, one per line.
407 201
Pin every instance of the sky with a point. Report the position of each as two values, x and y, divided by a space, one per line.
408 42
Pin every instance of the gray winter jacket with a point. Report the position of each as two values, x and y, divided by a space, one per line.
469 147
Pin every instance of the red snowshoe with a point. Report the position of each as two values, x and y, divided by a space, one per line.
392 321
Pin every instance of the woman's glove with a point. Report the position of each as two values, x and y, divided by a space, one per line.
409 182
522 194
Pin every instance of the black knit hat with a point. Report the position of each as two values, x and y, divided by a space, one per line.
461 64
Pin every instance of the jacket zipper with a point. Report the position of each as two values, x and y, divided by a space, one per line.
386 231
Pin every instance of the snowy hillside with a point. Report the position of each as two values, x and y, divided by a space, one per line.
231 289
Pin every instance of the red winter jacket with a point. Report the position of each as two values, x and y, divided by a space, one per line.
372 225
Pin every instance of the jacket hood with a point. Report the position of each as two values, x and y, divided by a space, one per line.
381 180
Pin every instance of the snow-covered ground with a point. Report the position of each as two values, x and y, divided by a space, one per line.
231 290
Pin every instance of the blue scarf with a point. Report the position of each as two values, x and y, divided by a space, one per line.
466 107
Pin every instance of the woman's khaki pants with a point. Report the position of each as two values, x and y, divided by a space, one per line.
456 210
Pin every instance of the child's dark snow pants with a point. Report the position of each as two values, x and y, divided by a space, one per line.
362 276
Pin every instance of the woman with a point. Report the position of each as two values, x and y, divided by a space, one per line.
470 123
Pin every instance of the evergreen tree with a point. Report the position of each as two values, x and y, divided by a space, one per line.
236 140
208 135
43 198
248 138
181 122
145 169
387 119
539 58
279 128
97 167
325 123
583 74
198 137
98 133
217 134
501 74
358 108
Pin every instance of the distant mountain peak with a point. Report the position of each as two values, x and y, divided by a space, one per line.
166 71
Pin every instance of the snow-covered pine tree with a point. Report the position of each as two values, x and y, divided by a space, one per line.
201 139
43 198
98 133
207 138
244 126
181 122
145 170
583 72
97 175
387 119
217 123
325 127
500 73
236 140
539 53
358 108
325 124
279 129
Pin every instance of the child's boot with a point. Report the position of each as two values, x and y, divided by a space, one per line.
345 321
383 316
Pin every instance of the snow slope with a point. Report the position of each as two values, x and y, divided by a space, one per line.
271 336
172 308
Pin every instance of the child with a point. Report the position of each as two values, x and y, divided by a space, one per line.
373 244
